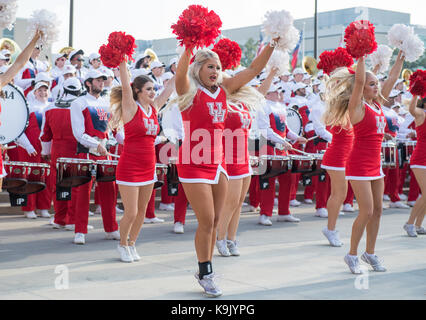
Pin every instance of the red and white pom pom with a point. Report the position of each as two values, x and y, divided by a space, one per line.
279 60
332 60
403 37
8 9
360 38
197 27
418 83
280 24
125 43
229 53
47 22
381 57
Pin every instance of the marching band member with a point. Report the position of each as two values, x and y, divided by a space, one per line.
135 106
59 60
77 60
368 120
157 71
89 119
68 71
413 227
95 61
58 141
28 73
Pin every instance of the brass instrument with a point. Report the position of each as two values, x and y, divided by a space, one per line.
406 74
310 65
66 50
152 54
12 46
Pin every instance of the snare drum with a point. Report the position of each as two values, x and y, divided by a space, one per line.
172 174
105 170
275 165
408 147
37 175
389 155
72 173
161 170
317 170
17 174
301 164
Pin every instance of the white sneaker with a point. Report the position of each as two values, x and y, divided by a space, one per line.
91 214
265 220
421 230
411 230
30 215
57 226
373 261
70 227
403 197
166 207
178 228
322 213
112 235
98 210
209 285
411 203
133 253
222 247
44 214
386 197
89 227
309 201
233 248
253 209
153 220
348 208
332 237
295 203
398 205
79 238
118 210
52 221
125 255
288 218
353 264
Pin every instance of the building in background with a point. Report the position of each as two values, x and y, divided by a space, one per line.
331 27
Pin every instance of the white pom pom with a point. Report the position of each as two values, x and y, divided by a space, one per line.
180 50
280 60
397 34
8 9
277 23
46 22
381 57
289 40
413 48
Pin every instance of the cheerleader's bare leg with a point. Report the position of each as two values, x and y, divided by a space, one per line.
418 213
145 194
339 190
373 226
235 220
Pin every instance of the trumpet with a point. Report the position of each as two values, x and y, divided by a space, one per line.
310 65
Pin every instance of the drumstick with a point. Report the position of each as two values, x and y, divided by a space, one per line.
113 155
302 152
313 138
10 148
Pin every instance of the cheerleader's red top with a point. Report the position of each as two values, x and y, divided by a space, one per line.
137 164
201 155
237 127
365 161
339 149
418 159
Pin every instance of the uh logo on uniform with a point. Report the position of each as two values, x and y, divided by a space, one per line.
381 124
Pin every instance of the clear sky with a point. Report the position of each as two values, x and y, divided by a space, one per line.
94 20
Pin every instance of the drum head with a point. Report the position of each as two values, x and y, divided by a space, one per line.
14 114
294 121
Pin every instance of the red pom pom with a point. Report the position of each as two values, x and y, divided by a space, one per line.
331 60
418 83
197 27
111 56
360 38
229 53
123 42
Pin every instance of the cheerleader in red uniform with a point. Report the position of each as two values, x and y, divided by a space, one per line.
418 166
8 76
202 170
135 106
363 168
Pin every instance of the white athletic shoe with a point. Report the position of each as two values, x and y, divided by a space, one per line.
398 205
332 237
209 285
57 226
153 220
222 247
91 214
421 230
253 209
44 213
411 203
265 220
411 230
295 203
178 228
353 264
125 255
322 213
118 210
112 235
70 227
348 208
309 201
288 218
373 261
386 197
79 238
233 248
134 254
166 207
403 197
30 215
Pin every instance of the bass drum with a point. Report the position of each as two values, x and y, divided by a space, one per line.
294 121
14 114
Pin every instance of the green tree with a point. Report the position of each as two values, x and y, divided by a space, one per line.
249 51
